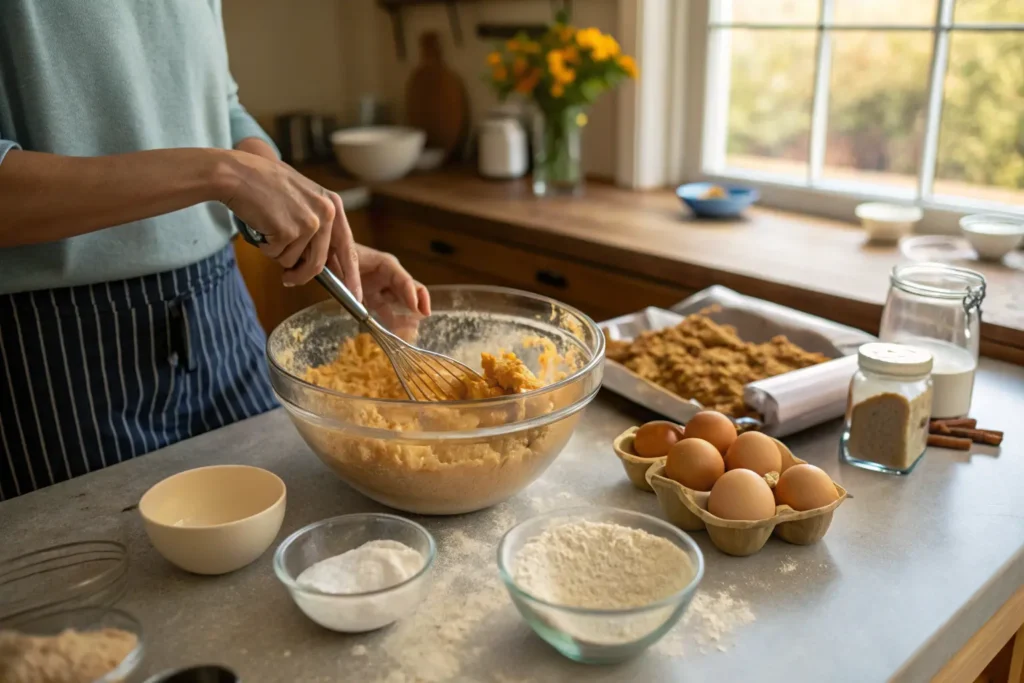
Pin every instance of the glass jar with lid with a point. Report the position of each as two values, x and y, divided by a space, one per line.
938 307
888 409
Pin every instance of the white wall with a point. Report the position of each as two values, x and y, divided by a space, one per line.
324 54
287 55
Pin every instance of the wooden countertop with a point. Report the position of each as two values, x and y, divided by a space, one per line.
816 265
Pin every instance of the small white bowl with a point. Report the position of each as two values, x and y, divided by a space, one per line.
354 612
887 222
378 153
214 520
992 235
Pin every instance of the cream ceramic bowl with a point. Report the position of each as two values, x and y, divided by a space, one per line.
378 153
214 520
993 236
887 223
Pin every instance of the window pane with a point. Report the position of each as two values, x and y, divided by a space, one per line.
877 112
989 10
769 11
981 143
898 12
771 83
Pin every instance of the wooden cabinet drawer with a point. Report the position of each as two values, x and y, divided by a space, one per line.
600 293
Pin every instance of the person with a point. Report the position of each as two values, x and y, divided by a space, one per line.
124 323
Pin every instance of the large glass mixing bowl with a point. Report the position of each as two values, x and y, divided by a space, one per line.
452 457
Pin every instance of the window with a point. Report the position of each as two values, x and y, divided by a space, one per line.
918 100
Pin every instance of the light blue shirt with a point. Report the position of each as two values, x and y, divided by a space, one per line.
96 77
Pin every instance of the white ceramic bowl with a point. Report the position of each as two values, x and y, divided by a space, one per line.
993 236
887 222
214 520
354 612
378 153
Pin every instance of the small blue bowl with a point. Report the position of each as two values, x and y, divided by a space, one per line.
739 198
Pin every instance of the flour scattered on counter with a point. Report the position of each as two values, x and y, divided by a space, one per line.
788 566
435 642
358 651
717 616
709 620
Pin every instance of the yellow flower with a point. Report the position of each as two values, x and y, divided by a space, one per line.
601 46
565 33
572 54
605 49
500 73
512 45
557 90
530 47
494 59
556 65
581 119
556 61
628 65
588 37
526 85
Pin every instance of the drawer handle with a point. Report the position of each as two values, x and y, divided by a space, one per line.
441 247
552 278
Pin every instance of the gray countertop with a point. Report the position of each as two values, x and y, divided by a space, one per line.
910 569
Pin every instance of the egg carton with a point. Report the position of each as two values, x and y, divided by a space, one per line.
635 466
688 508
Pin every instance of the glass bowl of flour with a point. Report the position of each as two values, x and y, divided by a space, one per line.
357 573
600 585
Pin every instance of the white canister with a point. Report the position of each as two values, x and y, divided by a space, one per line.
502 148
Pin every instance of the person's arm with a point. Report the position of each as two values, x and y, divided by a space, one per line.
48 197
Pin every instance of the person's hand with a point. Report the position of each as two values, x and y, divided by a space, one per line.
304 224
385 282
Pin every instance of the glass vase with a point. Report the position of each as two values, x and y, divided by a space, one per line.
556 152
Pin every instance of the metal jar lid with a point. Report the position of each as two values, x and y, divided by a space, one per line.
898 360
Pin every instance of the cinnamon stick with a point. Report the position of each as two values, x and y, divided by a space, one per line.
942 441
939 428
990 437
966 422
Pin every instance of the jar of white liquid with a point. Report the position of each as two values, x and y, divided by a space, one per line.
938 308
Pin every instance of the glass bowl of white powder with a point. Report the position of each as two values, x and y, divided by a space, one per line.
357 573
600 585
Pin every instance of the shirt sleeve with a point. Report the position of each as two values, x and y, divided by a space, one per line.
6 146
243 125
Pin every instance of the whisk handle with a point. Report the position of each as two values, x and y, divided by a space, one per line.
336 288
331 282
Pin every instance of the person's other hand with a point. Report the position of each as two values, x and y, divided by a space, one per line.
304 224
385 282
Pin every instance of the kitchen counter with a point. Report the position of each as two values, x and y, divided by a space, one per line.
614 251
910 569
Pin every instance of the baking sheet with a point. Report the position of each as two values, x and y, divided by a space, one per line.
755 321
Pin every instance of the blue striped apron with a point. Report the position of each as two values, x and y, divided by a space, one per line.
93 375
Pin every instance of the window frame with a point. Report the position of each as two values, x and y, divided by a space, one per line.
704 117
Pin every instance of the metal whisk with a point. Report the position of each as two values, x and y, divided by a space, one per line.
425 375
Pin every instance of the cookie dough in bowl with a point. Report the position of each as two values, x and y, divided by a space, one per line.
541 362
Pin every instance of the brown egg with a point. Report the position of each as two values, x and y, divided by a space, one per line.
754 451
805 487
713 427
655 438
741 495
695 464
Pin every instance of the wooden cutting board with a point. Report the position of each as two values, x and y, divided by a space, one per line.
435 98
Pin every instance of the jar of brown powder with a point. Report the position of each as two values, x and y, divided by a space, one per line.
889 405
